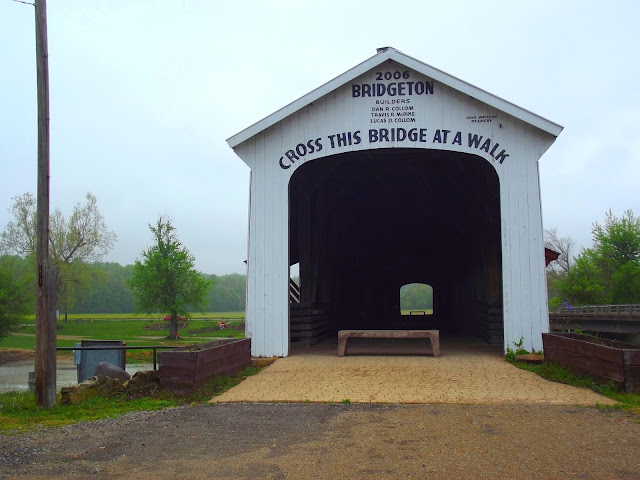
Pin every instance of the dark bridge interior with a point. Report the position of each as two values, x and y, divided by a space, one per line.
363 224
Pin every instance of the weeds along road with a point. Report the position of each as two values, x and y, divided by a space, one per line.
317 441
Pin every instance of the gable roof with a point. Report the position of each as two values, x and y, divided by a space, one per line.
389 53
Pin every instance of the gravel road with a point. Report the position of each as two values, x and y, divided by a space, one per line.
316 441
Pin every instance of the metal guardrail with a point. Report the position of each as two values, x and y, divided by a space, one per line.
143 319
116 347
623 318
596 309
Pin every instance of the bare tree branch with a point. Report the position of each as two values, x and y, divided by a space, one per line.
565 246
84 238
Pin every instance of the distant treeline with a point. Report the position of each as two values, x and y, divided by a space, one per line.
106 290
109 293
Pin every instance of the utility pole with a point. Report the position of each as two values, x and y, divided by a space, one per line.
45 361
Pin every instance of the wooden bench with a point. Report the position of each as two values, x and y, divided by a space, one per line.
432 335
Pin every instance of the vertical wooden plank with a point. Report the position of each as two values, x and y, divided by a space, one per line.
282 276
244 152
511 242
523 236
532 322
247 326
267 280
539 307
505 240
254 261
280 255
258 243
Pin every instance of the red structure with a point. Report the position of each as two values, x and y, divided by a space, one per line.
550 255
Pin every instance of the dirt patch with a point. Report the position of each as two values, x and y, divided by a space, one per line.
262 362
300 441
162 326
11 355
239 326
62 337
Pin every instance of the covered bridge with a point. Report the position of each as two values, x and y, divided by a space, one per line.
390 174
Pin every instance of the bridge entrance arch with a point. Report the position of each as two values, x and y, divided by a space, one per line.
363 224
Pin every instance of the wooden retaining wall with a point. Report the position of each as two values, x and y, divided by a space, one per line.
604 360
184 371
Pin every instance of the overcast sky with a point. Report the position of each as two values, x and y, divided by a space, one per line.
145 93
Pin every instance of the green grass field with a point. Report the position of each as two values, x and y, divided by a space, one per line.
131 330
146 317
417 311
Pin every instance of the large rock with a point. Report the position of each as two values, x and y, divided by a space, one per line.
112 371
91 387
142 381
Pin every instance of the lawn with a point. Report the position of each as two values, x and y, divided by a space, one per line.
132 331
417 312
629 402
19 413
145 317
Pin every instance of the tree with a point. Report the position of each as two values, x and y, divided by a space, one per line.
16 292
416 296
609 271
616 243
82 238
625 284
108 292
167 280
583 284
227 293
559 269
74 280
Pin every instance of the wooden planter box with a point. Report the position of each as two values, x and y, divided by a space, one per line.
185 370
603 360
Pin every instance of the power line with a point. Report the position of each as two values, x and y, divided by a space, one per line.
26 3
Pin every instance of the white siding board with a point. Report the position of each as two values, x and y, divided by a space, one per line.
522 235
257 257
512 211
531 309
280 265
524 205
283 281
534 225
544 309
511 244
507 254
272 264
539 309
252 262
537 263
